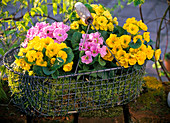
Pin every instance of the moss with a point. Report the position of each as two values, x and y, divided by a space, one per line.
109 112
153 98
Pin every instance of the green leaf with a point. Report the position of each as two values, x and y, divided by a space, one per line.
18 57
13 46
89 8
4 2
37 70
33 11
121 31
55 74
54 8
70 55
129 2
47 71
44 9
101 62
10 31
137 67
28 61
104 34
70 33
57 64
135 45
2 52
39 11
75 40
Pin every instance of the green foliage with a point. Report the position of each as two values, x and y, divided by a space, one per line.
136 2
135 45
76 39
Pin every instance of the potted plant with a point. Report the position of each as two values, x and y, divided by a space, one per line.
60 70
167 61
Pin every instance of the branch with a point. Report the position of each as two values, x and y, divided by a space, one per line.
46 16
159 31
1 33
164 69
141 15
12 18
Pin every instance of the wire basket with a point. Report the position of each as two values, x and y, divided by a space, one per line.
45 96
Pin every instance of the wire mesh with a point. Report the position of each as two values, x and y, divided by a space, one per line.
44 96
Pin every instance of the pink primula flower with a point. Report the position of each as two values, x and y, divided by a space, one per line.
49 31
60 35
95 37
87 59
41 25
61 25
32 32
24 44
103 51
94 51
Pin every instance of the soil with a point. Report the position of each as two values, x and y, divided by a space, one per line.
151 106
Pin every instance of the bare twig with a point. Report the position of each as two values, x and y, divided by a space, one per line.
141 15
164 69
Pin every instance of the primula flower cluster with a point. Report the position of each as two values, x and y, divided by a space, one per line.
56 31
102 20
92 45
126 55
43 52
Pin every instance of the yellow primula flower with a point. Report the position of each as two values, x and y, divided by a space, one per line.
52 60
131 20
102 21
74 25
131 59
133 51
96 25
23 64
21 52
133 29
142 25
83 32
30 73
141 57
47 41
120 54
68 67
146 36
107 14
31 55
116 48
41 62
39 55
125 40
62 54
103 27
157 54
123 63
99 10
115 20
108 56
135 38
39 46
110 26
62 46
149 52
81 22
142 48
112 40
52 49
126 26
